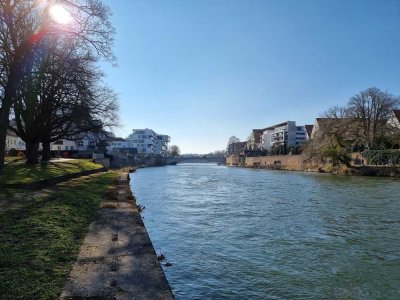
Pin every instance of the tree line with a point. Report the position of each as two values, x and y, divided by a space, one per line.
363 124
51 86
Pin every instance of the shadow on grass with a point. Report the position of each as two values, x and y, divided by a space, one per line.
39 242
22 173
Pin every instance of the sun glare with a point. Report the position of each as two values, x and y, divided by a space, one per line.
60 14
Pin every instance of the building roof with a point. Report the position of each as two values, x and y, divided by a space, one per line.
396 113
276 125
116 139
11 133
309 129
257 133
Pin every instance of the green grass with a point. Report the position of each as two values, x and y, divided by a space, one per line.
16 171
40 238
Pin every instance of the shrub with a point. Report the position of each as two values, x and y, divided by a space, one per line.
382 157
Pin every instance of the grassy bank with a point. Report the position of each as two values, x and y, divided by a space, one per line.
16 171
41 233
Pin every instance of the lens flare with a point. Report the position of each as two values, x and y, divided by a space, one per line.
60 14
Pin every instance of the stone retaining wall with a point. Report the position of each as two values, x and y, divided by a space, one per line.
232 160
284 162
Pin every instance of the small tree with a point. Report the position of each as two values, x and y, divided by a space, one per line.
174 151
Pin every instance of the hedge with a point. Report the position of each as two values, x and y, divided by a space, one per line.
382 157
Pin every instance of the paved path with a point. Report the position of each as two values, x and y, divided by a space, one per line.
117 259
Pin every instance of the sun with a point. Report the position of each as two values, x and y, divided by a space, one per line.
60 14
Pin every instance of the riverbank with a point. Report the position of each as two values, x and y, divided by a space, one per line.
117 259
42 232
281 235
301 163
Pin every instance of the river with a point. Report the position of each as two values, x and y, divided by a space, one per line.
234 233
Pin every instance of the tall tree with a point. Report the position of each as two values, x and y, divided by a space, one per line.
25 23
18 23
62 99
371 109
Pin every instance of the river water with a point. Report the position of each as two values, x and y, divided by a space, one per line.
233 233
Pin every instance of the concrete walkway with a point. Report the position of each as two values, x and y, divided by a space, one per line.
117 259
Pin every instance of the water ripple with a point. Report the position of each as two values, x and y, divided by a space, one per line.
236 233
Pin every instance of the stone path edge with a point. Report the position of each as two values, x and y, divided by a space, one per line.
117 259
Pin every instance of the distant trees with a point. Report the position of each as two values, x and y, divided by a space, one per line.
48 75
174 150
217 154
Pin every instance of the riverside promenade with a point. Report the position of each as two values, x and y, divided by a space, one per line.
117 259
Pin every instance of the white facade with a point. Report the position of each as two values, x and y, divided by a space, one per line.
148 142
117 143
394 119
283 134
14 142
63 145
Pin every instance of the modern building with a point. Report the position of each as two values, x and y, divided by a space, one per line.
117 143
161 144
285 135
254 142
148 142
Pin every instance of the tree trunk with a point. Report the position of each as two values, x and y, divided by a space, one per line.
3 135
46 155
32 153
9 92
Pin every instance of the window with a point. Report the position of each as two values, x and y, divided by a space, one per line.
80 143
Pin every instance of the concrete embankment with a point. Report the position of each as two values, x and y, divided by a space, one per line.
117 259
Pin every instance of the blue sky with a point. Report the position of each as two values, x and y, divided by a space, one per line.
201 71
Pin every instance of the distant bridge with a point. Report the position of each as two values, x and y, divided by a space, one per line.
194 159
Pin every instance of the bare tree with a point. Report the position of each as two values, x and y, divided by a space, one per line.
18 21
174 150
25 23
372 109
63 98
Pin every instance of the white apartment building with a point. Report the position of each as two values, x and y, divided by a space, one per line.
117 143
148 142
283 134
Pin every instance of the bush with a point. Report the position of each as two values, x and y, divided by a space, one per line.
382 157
